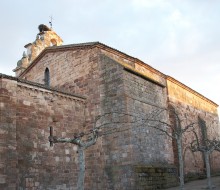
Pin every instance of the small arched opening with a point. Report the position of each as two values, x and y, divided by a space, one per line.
53 42
47 77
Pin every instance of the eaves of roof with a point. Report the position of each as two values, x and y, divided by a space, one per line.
86 46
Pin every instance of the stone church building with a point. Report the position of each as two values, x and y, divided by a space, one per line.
68 87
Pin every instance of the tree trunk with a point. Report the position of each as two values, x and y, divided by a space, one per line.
80 183
208 173
180 157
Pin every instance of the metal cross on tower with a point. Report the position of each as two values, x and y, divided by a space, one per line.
51 21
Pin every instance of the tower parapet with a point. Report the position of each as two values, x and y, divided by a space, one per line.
45 38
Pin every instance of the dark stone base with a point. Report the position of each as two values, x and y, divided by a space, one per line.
155 177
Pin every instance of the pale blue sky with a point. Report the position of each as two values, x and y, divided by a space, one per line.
178 37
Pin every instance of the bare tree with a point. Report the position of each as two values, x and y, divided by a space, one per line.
206 146
150 120
174 131
82 145
92 137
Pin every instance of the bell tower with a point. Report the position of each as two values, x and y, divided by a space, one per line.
45 38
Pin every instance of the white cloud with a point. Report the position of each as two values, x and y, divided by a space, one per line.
140 4
178 19
175 16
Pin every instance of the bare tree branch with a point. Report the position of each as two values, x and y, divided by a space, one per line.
188 126
162 130
206 146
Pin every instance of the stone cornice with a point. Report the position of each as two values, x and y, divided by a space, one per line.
130 58
191 90
133 71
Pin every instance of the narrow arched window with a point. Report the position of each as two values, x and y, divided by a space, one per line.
47 77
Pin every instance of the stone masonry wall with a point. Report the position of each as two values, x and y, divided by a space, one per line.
190 106
8 144
30 163
117 146
180 92
98 78
150 149
116 88
157 177
144 98
105 83
199 106
145 91
136 65
125 95
77 71
41 166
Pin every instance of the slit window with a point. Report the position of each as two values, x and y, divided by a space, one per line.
47 77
